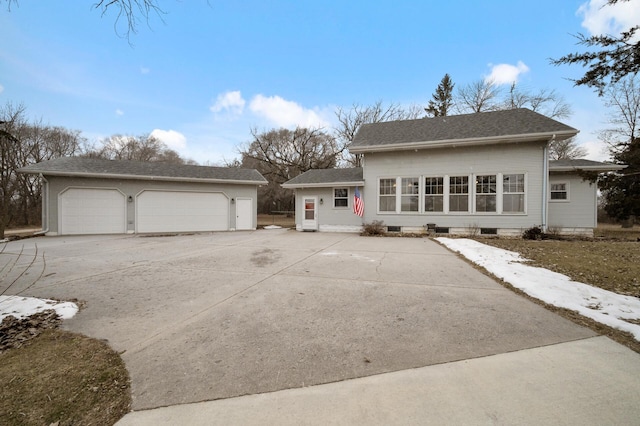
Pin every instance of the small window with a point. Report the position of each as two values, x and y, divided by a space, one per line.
559 192
486 189
433 194
340 198
410 195
387 198
513 193
459 194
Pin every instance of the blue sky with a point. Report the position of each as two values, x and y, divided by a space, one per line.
205 73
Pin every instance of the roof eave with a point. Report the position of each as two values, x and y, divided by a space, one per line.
139 177
490 140
320 184
607 168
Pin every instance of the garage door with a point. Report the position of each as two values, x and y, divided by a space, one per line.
92 211
181 211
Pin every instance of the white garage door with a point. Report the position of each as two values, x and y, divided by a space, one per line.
178 211
92 211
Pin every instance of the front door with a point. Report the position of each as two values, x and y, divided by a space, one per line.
310 213
244 214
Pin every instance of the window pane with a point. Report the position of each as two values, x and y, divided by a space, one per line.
433 186
340 192
558 195
409 203
387 204
486 184
341 202
513 203
485 203
458 203
434 203
387 186
513 183
459 185
309 214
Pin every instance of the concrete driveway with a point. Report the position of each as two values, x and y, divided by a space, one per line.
210 316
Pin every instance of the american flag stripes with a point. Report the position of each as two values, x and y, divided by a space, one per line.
358 204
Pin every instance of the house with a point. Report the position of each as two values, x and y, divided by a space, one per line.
485 173
95 196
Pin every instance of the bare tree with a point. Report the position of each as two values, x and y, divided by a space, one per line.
11 119
566 149
136 148
478 96
282 154
351 120
545 101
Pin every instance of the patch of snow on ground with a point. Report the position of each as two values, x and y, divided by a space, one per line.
22 307
273 227
551 287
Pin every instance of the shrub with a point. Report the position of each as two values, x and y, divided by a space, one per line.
534 233
374 228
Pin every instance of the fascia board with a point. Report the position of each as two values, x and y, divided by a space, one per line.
154 178
491 140
320 185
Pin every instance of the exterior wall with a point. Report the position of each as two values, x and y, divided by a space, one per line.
579 210
524 158
130 187
330 218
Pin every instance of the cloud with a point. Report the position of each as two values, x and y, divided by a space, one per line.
1 88
119 112
505 73
231 102
145 70
285 113
174 140
600 18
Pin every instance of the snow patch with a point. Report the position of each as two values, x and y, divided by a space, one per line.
22 307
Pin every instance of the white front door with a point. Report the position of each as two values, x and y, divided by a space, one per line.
310 213
244 214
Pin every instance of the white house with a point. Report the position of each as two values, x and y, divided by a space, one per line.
486 173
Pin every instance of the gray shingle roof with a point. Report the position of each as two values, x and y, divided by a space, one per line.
582 164
515 124
93 167
318 177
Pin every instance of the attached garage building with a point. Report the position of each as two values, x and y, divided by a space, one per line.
94 196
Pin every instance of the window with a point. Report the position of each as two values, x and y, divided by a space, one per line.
340 198
387 198
433 194
486 189
410 195
459 193
513 193
559 192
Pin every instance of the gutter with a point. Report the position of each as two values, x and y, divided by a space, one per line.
45 206
321 184
545 184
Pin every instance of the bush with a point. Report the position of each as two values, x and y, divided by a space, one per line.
374 228
534 233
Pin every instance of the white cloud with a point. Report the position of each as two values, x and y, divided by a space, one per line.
601 18
174 140
145 70
506 73
119 112
231 102
285 113
1 88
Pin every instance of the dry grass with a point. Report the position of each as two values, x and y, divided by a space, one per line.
616 232
63 377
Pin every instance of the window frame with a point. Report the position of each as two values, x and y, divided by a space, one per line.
444 181
340 198
394 195
523 193
566 191
402 195
450 194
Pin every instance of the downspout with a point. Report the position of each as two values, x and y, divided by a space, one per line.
45 206
545 184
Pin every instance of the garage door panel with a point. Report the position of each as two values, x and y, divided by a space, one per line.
178 211
92 211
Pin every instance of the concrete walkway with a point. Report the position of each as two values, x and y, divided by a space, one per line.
593 381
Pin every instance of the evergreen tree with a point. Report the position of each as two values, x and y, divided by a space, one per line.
442 101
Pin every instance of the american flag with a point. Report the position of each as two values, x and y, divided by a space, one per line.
358 204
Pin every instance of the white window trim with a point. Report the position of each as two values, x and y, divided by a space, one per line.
498 191
526 194
567 190
379 195
340 198
445 194
399 195
470 193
